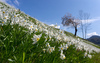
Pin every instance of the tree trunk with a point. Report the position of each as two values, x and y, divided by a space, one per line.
82 29
75 31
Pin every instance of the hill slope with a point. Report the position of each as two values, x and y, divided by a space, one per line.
27 40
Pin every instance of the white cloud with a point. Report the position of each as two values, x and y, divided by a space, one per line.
56 26
10 2
52 25
91 34
91 20
3 0
16 2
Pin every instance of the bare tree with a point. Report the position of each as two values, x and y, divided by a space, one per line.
87 24
84 19
81 22
70 21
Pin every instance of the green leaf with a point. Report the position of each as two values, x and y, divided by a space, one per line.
23 57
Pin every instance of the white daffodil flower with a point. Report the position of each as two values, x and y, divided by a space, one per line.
47 44
44 50
10 60
65 46
61 47
90 56
30 27
50 49
53 48
85 54
62 56
36 38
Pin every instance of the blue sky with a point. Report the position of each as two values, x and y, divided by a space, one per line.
51 11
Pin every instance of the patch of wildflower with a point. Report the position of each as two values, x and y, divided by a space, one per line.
49 48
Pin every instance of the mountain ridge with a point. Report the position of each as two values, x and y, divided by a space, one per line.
94 39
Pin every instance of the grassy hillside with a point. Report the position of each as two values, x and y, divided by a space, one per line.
24 39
